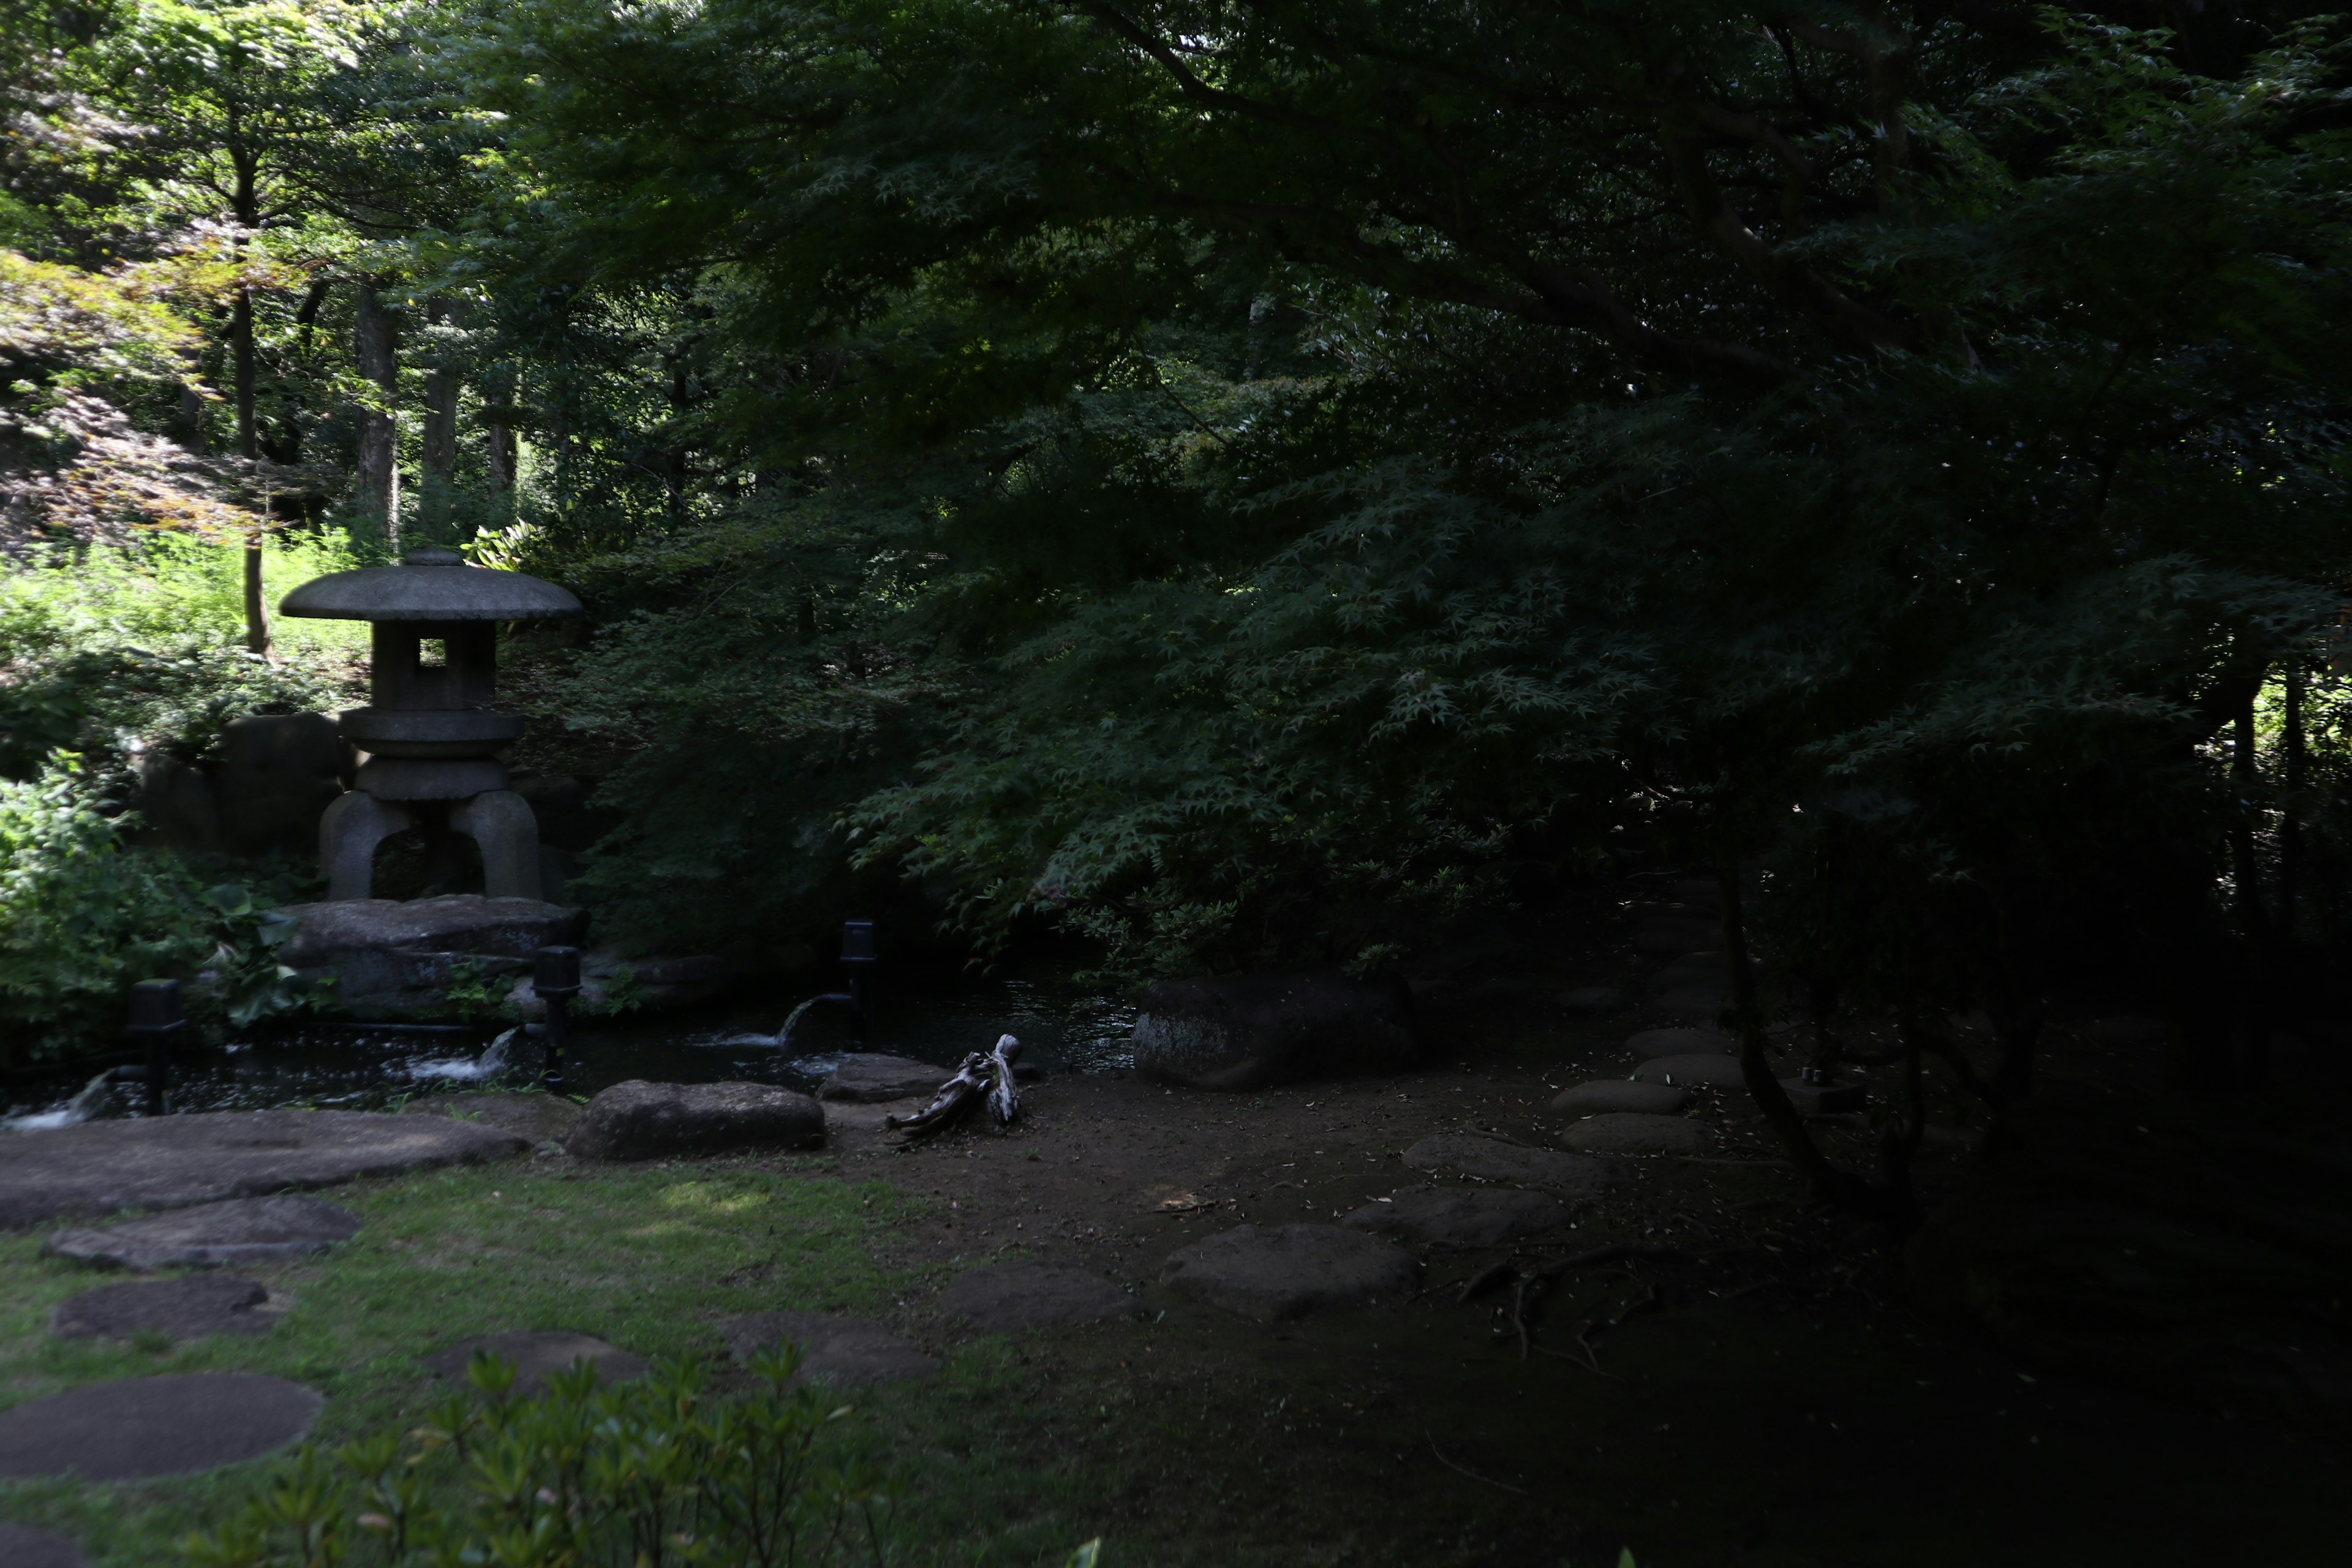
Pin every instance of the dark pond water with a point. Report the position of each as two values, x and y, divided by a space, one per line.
351 1066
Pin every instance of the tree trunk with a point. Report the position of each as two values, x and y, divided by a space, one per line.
440 433
378 346
2290 876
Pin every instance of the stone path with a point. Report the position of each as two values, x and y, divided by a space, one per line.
542 1118
1011 1298
843 1352
1630 1133
143 1427
1714 1071
1461 1216
537 1352
1272 1274
642 1121
174 1162
240 1230
1491 1160
22 1546
1618 1094
187 1308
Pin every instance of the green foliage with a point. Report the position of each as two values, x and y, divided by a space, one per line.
658 1471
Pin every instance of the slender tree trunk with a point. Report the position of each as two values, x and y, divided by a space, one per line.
378 346
248 435
2290 877
499 455
2252 1009
440 433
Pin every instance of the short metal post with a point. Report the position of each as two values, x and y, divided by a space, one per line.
155 1017
556 980
858 956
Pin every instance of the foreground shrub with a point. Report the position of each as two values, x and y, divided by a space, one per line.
648 1474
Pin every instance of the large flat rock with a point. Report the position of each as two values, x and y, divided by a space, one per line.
22 1546
1461 1216
237 1230
843 1352
535 1354
867 1077
1012 1298
187 1306
1491 1160
174 1161
642 1121
395 958
539 1117
143 1426
1287 1271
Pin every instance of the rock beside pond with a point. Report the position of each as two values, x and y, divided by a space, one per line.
642 1121
1274 1274
1010 1298
394 958
1631 1132
1610 1094
174 1161
1461 1216
868 1077
536 1354
240 1231
1247 1031
189 1307
538 1116
1491 1160
842 1353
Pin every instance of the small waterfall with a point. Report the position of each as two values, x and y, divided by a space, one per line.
784 1034
95 1099
500 1055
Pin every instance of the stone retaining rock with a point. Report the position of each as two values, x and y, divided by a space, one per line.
1011 1298
187 1308
536 1354
141 1426
174 1161
1609 1094
397 958
1250 1030
650 984
240 1231
1274 1274
1491 1160
843 1352
642 1121
867 1077
1630 1133
1461 1216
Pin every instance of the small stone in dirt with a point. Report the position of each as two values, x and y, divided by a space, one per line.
1630 1133
1461 1216
642 1121
240 1231
1491 1160
1288 1271
1590 1001
867 1077
154 1426
186 1308
22 1546
537 1115
1681 1043
843 1352
1009 1298
536 1353
1714 1070
1615 1094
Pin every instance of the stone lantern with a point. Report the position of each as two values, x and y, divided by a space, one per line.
431 737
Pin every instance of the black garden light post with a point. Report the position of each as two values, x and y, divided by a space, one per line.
858 956
555 979
155 1017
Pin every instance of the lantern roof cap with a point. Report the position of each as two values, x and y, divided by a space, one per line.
429 584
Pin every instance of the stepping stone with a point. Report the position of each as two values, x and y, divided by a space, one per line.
1692 1004
22 1546
1590 1001
542 1118
240 1231
1714 1069
1009 1298
537 1352
1692 969
1630 1133
642 1121
843 1352
1491 1160
1675 933
1605 1094
1461 1216
187 1308
177 1162
141 1427
1681 1043
1274 1274
865 1076
1842 1097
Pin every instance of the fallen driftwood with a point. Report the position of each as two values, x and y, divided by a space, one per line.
984 1078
